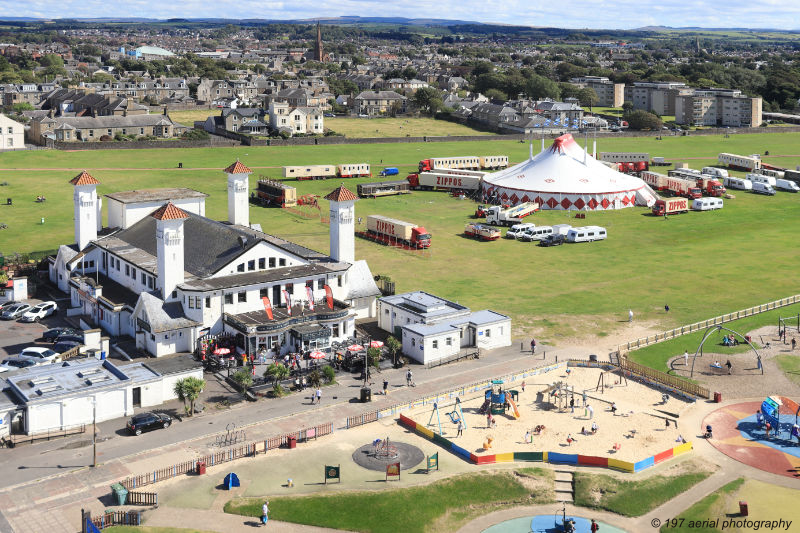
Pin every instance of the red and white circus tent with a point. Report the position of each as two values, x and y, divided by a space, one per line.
566 177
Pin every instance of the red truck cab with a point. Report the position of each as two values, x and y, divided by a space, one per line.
421 237
425 165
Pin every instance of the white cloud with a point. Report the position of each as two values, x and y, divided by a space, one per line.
617 14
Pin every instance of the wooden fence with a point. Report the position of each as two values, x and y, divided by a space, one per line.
665 379
703 324
13 440
360 420
224 456
108 519
142 498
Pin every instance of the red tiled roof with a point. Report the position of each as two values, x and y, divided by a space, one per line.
84 178
238 168
168 211
342 194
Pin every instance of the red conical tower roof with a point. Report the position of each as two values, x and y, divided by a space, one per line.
84 178
341 194
168 211
238 168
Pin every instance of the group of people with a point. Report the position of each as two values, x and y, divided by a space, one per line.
41 198
730 340
728 365
591 431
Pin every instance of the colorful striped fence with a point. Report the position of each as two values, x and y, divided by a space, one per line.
546 457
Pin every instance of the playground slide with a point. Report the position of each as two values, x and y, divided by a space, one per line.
513 406
791 406
485 407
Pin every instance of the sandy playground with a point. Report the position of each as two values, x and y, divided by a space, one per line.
638 434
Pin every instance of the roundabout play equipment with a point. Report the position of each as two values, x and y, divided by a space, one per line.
381 452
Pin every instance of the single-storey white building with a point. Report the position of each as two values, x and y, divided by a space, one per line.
59 396
432 328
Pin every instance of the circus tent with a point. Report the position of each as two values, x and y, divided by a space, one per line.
565 177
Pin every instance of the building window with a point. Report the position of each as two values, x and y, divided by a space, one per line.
240 267
272 262
282 262
133 273
435 344
208 302
488 333
449 341
263 293
385 311
413 342
262 263
321 283
127 270
229 298
290 288
141 131
150 282
339 280
144 278
242 297
251 265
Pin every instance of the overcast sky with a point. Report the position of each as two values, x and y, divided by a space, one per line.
565 13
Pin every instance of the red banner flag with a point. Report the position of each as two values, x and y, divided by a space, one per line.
288 299
329 296
393 470
267 307
310 293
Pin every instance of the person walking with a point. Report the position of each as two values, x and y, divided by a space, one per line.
265 513
523 385
533 345
729 365
385 387
408 378
630 313
591 411
758 364
572 404
527 436
794 343
768 428
594 527
303 383
319 395
460 428
666 308
686 358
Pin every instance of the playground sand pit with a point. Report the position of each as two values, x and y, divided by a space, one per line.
637 433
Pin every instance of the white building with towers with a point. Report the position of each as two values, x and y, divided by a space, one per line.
167 276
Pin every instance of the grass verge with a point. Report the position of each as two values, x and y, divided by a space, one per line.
441 506
145 529
790 365
631 498
694 518
657 355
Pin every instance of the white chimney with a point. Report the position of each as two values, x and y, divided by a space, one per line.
238 185
87 209
169 247
342 233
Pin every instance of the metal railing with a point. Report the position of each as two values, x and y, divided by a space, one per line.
703 324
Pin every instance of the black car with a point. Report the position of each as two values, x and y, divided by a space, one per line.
76 336
52 334
553 239
148 421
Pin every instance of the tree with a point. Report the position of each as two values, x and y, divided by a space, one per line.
329 373
643 120
587 97
374 357
428 100
22 106
394 346
277 372
496 94
244 379
188 390
627 107
409 73
539 87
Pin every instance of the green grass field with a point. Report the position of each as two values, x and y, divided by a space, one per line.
440 506
398 127
708 509
701 264
187 117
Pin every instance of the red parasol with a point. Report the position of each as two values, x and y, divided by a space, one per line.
355 348
316 354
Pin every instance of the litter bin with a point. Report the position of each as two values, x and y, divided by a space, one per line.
366 395
717 397
119 492
748 338
201 468
742 508
291 442
593 358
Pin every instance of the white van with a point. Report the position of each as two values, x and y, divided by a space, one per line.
763 188
561 229
786 185
706 204
516 231
738 183
716 172
761 178
586 234
537 234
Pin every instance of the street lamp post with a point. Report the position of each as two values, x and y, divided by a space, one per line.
94 433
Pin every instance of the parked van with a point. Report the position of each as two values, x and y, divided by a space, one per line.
763 188
516 231
761 178
738 183
586 234
537 234
561 229
716 172
707 204
786 185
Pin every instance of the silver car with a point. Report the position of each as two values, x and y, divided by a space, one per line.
14 311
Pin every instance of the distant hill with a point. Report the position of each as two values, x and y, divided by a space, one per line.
698 28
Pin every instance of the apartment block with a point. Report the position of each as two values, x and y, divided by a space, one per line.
658 97
718 107
609 94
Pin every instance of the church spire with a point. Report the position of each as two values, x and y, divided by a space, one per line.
318 54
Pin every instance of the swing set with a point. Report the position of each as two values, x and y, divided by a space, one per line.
456 415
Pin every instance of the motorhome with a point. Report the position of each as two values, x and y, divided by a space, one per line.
763 188
786 185
716 172
761 178
738 183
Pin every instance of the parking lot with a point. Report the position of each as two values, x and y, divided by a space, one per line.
16 335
